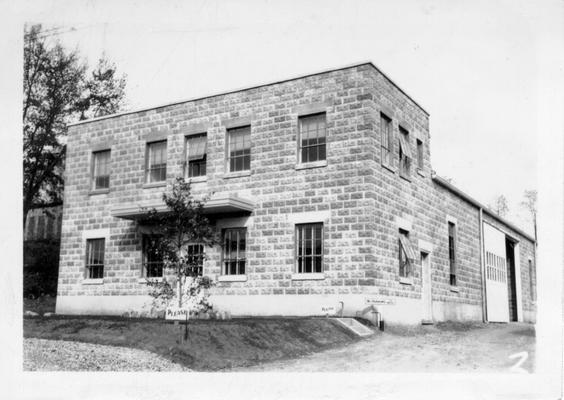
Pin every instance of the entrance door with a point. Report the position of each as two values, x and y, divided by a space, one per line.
497 299
426 295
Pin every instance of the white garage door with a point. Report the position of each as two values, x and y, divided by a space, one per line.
496 275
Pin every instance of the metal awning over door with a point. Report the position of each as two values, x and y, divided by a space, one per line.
497 307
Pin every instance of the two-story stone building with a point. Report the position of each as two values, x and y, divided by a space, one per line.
323 196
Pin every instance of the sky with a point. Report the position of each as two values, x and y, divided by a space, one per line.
472 65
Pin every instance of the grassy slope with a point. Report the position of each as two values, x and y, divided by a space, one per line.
211 345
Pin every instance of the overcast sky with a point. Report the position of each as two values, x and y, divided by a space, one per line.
472 65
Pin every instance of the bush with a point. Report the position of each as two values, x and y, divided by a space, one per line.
41 269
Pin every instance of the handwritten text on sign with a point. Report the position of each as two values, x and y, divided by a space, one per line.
378 301
176 313
328 309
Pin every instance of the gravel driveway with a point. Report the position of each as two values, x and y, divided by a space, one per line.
61 355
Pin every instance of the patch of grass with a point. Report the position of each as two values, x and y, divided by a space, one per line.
40 305
212 344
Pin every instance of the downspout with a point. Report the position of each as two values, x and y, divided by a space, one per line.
483 267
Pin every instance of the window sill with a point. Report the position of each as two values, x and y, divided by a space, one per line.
154 185
454 289
237 174
232 278
312 276
315 164
389 168
94 192
405 177
420 172
152 280
197 179
405 281
99 281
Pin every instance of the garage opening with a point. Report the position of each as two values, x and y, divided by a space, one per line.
511 284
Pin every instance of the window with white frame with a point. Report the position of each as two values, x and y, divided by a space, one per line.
196 149
156 162
239 149
404 153
195 259
309 248
95 258
452 251
101 170
234 251
312 138
153 256
407 255
386 134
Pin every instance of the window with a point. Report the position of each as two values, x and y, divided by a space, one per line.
309 248
532 280
156 162
406 255
312 142
95 258
234 251
387 139
419 154
195 259
101 170
152 257
452 252
196 148
239 145
404 153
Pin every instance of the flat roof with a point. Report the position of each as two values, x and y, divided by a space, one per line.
249 88
489 211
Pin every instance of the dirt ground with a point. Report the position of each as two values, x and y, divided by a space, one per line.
445 347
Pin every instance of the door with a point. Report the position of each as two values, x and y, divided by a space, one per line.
426 295
497 299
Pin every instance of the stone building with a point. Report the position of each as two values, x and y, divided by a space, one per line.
324 196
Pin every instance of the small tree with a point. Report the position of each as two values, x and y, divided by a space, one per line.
530 204
183 223
500 206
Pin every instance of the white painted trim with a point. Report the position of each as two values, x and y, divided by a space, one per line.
307 217
312 276
232 278
406 280
454 289
425 246
153 280
96 234
518 289
450 218
99 281
404 223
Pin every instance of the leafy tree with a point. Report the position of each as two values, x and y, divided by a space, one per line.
183 223
500 206
530 204
57 91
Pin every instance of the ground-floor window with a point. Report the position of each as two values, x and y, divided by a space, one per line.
406 255
309 248
195 259
234 251
95 258
152 257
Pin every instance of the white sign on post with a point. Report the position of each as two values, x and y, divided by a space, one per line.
175 313
328 310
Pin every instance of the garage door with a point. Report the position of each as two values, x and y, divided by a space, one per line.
496 275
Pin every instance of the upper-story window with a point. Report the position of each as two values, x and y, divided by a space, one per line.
404 153
419 154
387 140
156 162
312 138
452 252
239 149
101 170
196 149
